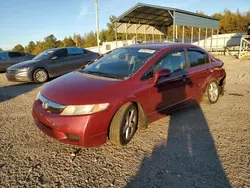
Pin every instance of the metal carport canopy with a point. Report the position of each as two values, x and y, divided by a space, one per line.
160 16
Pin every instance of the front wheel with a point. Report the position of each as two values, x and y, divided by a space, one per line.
212 93
40 76
124 125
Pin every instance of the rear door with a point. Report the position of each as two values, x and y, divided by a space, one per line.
59 63
200 70
79 57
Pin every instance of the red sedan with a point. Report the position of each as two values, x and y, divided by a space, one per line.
125 90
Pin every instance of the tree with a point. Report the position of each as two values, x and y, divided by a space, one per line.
90 39
18 48
30 47
1 49
59 44
39 48
68 42
50 42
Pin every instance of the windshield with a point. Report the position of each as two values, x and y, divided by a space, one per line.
120 63
46 55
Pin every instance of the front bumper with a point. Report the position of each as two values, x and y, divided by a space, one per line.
15 76
86 130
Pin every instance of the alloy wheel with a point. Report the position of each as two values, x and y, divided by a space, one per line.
130 123
213 91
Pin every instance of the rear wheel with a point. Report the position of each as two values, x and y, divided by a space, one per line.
124 125
40 76
212 93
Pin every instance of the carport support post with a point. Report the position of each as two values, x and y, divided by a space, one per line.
211 41
183 28
199 37
205 41
192 34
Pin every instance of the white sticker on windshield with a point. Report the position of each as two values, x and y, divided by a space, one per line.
50 52
147 51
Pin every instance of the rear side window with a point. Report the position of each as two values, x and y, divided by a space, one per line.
14 54
60 53
75 51
197 58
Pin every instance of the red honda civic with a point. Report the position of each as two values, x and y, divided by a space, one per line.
125 90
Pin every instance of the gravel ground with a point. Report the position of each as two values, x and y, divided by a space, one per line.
203 146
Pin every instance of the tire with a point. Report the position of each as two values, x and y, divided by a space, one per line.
212 93
124 125
40 76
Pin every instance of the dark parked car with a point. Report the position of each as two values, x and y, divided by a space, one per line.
50 63
10 58
125 90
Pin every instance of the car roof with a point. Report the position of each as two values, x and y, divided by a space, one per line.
160 46
55 49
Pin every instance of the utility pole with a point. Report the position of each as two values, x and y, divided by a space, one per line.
97 25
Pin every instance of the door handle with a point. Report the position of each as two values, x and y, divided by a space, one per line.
209 70
185 78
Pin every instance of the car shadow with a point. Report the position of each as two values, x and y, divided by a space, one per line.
12 91
188 157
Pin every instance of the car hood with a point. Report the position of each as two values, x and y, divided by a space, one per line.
23 64
78 88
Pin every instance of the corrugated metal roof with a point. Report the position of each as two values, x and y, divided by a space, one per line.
162 16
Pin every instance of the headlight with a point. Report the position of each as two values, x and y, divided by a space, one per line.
84 109
23 69
38 95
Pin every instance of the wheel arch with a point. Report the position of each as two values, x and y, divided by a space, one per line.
142 119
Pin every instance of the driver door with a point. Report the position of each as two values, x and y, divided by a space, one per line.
167 92
59 63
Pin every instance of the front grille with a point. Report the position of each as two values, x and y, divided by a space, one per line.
51 106
54 110
73 136
11 71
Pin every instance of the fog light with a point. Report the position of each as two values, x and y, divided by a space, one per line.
73 136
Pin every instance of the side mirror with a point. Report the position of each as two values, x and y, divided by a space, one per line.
161 73
54 58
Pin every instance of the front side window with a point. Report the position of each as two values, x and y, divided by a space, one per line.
4 55
60 53
174 62
197 58
122 62
14 54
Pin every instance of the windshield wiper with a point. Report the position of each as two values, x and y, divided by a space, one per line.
105 74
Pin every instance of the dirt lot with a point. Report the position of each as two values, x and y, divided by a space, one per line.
203 146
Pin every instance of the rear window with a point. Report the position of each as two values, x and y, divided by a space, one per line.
75 51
